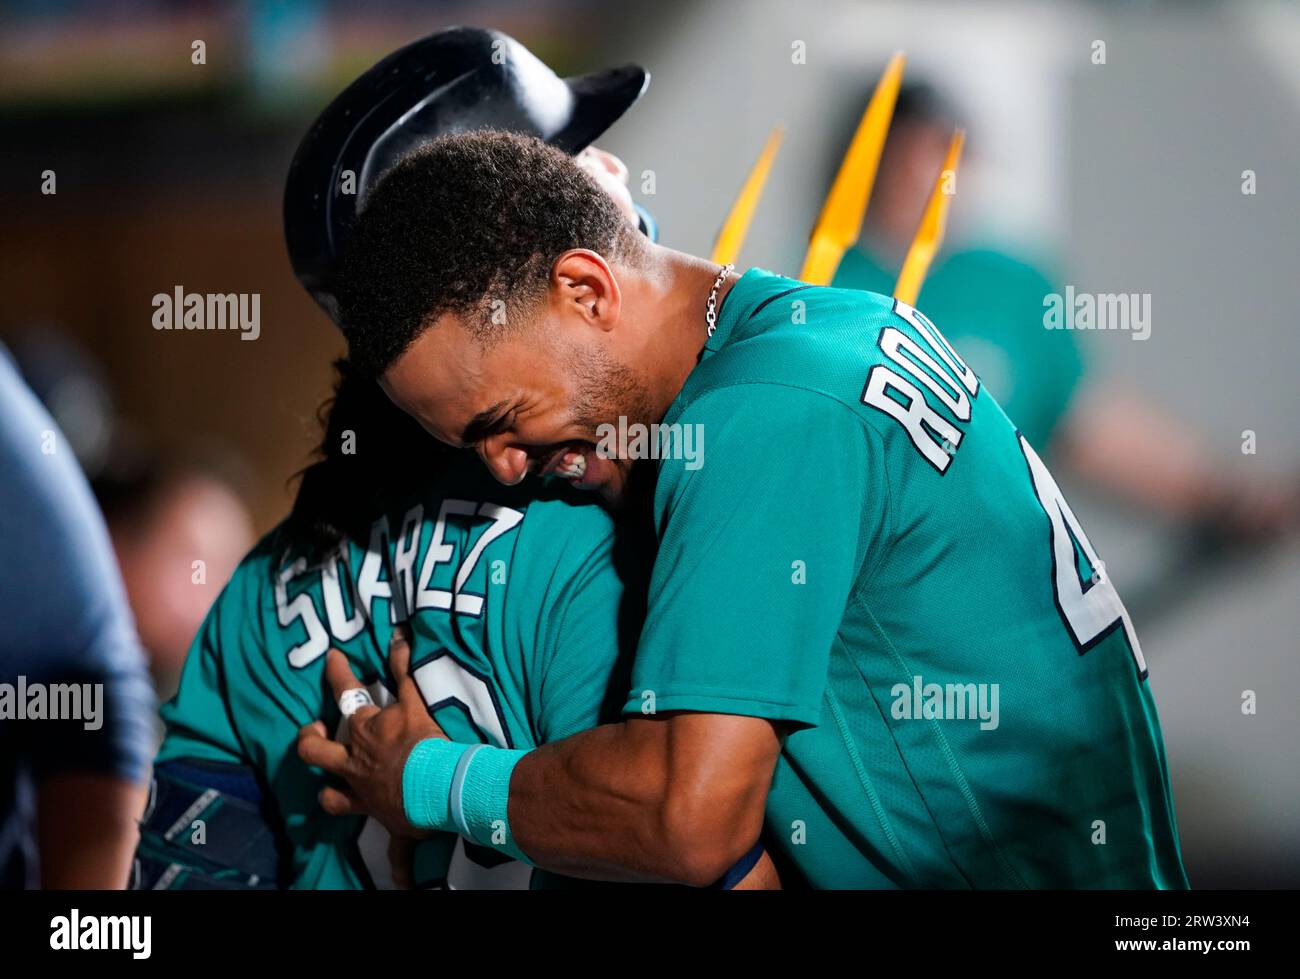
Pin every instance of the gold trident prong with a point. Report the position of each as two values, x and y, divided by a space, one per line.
732 235
840 222
929 235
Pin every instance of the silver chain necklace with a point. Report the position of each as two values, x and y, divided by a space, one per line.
711 313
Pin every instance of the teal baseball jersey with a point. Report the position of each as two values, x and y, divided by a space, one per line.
514 603
991 308
867 552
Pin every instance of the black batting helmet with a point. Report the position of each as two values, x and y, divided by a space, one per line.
459 79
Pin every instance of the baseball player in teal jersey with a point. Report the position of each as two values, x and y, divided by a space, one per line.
520 617
869 596
513 602
515 641
969 694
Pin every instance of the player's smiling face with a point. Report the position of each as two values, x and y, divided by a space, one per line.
529 403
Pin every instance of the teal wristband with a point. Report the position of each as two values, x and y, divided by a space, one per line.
426 783
457 799
480 799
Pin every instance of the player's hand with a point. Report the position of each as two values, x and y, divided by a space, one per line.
380 741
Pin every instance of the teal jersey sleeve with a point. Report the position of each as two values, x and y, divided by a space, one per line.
198 719
534 662
564 624
752 579
581 643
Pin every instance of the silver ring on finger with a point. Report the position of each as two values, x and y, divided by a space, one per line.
351 701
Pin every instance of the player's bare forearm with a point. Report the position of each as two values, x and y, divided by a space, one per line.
675 798
670 799
1121 442
1116 439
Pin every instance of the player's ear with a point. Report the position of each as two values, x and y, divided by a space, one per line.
584 285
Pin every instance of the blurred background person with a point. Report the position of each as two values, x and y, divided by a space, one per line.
71 787
176 518
992 304
179 528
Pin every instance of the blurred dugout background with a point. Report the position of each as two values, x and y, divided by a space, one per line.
1122 177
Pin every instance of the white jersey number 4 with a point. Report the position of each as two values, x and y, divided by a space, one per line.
1091 609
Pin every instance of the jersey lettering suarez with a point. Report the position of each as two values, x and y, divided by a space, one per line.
872 555
514 605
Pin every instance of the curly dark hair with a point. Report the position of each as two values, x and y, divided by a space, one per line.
466 220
